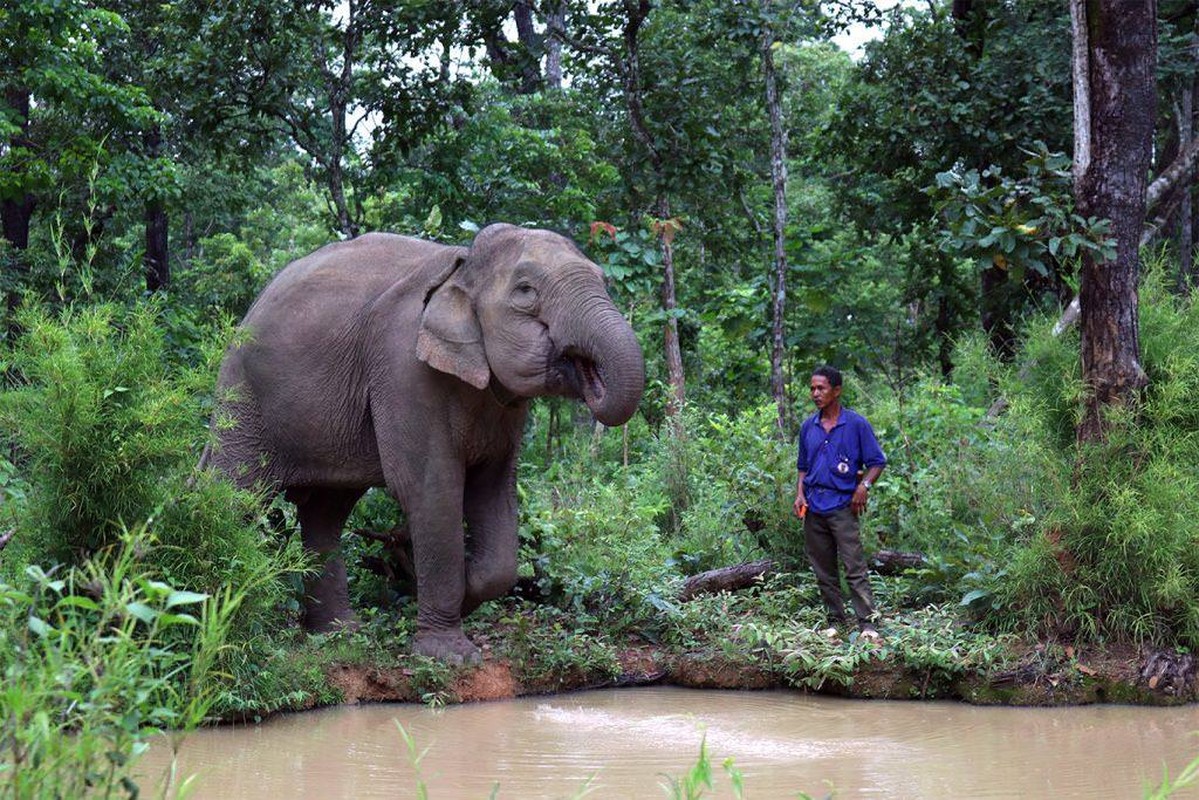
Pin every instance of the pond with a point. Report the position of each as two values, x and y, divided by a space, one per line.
622 743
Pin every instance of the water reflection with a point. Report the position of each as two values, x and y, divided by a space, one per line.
624 741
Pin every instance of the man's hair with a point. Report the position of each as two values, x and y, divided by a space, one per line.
831 373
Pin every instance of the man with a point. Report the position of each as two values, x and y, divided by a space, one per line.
834 444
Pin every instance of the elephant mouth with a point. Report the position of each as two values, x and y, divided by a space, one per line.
584 378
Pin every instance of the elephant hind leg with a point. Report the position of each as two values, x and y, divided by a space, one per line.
323 513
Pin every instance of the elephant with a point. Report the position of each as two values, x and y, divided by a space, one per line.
391 361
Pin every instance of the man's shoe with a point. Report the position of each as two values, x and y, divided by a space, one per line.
869 633
829 632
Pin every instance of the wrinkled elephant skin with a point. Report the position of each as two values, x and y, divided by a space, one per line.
392 361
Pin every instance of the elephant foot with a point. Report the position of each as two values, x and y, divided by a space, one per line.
451 647
319 619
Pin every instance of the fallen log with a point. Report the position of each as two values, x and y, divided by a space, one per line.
725 579
1168 671
893 562
395 562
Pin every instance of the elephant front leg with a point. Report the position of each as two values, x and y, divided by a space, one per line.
439 555
491 519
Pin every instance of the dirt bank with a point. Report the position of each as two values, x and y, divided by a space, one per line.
1044 675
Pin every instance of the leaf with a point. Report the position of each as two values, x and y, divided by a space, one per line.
179 598
78 602
141 611
433 221
973 596
39 626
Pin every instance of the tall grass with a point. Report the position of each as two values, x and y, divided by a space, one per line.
1113 551
94 663
107 425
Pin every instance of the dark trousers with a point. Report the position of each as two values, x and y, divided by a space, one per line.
825 537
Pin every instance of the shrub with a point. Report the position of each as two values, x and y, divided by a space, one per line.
107 433
96 662
1114 552
99 422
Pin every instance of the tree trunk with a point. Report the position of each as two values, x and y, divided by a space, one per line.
1119 40
16 213
944 322
778 176
1186 136
636 12
555 25
726 579
994 313
895 562
526 34
340 91
673 353
157 266
155 262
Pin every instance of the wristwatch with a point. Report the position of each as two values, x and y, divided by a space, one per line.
867 485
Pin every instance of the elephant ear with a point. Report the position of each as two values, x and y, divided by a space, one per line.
450 339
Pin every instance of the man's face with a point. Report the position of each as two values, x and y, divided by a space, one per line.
823 392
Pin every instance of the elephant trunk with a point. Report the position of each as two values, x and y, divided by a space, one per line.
606 358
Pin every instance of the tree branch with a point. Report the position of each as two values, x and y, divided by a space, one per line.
1182 169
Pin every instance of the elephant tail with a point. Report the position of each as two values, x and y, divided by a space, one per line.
205 457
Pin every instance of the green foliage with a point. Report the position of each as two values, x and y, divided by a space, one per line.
596 545
1018 224
734 490
549 648
100 422
107 431
1112 551
95 663
224 277
1169 786
696 781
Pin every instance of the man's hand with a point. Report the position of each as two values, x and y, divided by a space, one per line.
860 496
801 505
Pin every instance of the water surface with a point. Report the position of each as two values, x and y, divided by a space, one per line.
624 741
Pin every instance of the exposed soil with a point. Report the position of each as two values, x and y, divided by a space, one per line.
1044 676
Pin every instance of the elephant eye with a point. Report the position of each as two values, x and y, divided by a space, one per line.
524 296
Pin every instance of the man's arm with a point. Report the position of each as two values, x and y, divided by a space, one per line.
861 494
800 499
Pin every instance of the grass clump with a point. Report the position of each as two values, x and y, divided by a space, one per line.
95 663
107 429
1112 551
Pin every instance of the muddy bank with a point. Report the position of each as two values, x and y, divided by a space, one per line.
1042 676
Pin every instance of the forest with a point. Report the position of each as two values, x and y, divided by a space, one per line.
983 215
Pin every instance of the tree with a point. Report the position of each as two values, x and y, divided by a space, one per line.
1115 44
1000 88
625 22
58 107
778 174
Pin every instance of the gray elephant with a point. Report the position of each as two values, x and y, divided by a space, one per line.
393 361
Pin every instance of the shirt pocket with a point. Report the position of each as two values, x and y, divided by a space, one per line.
844 472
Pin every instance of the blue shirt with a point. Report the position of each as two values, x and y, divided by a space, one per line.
832 460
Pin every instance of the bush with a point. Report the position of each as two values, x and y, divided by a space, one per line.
107 433
1113 551
94 664
98 421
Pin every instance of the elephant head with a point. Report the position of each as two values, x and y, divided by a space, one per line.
526 313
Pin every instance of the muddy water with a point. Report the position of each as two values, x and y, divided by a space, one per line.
624 741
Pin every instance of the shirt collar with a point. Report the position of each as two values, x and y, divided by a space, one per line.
841 418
